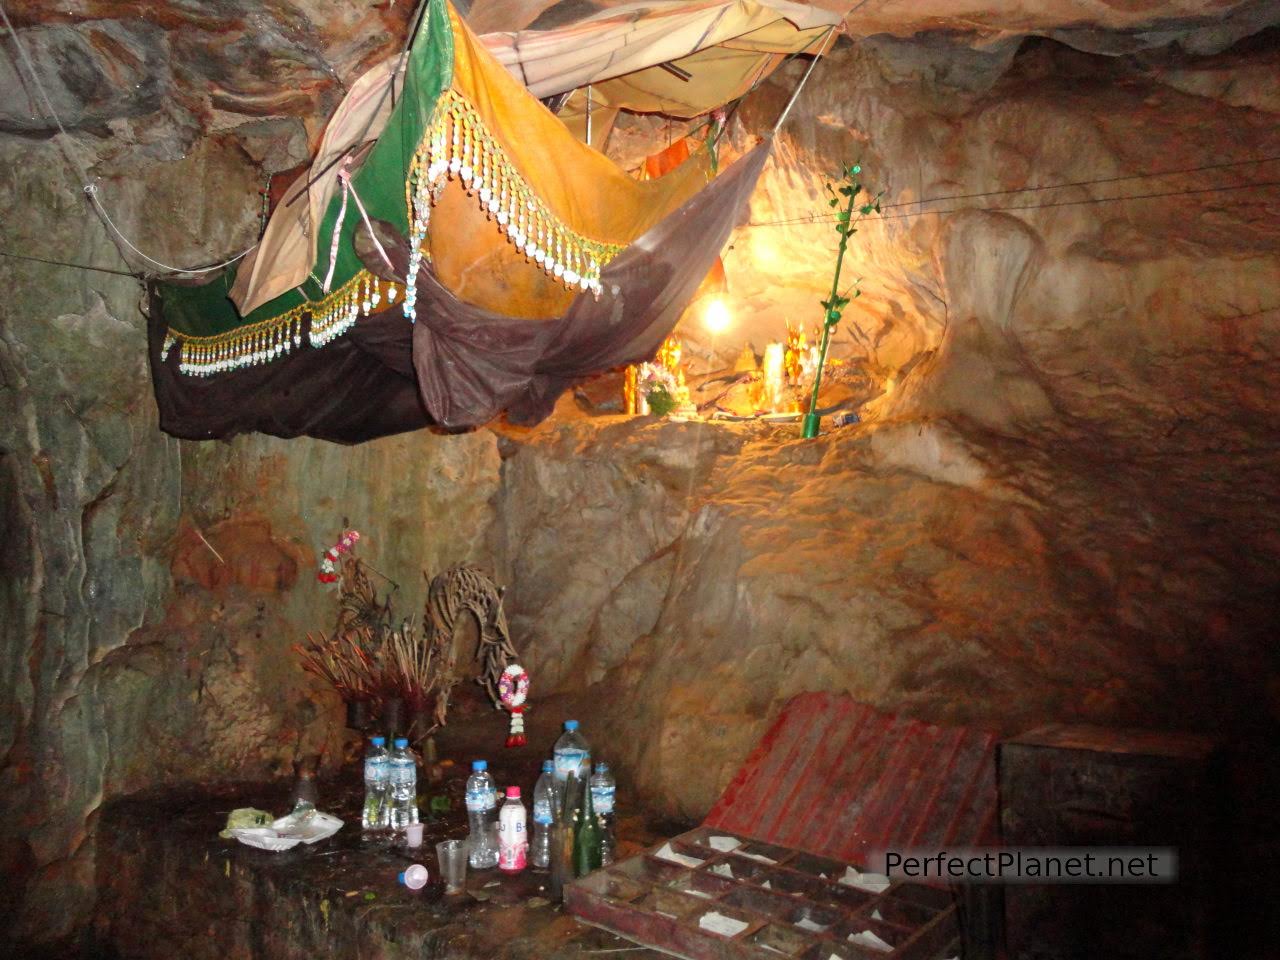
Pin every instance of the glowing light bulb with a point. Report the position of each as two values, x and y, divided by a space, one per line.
717 317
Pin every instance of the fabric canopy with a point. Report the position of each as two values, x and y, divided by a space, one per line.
519 240
585 207
527 214
632 39
459 365
678 58
723 46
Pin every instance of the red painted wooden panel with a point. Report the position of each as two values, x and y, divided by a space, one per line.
834 777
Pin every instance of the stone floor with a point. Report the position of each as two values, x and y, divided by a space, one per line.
170 887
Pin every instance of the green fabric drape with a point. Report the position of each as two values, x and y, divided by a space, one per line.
205 310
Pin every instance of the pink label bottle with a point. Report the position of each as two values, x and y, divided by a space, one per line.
513 834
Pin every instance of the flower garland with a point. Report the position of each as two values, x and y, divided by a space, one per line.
329 569
513 689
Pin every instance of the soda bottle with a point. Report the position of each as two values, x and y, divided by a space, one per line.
513 837
586 838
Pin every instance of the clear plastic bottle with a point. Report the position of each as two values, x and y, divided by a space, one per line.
482 802
540 848
404 786
571 754
377 773
603 790
513 835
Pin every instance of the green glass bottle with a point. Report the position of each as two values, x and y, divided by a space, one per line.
561 839
586 838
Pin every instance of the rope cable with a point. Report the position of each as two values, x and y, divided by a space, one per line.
86 180
67 263
826 219
1151 174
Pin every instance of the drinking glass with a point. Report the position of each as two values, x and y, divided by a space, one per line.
452 855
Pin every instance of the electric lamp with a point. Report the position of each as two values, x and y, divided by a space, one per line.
717 318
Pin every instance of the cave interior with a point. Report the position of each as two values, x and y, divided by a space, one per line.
1014 584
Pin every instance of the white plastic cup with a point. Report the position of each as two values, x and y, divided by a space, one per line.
413 835
415 877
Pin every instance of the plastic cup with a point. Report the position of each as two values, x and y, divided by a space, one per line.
414 877
413 835
452 855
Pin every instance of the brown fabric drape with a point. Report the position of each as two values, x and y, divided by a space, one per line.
460 365
472 363
357 388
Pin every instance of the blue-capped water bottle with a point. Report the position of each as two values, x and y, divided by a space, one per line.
482 805
377 773
404 786
571 754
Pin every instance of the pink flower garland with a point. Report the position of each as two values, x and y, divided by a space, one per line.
329 565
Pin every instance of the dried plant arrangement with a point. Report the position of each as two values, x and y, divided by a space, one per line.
418 670
371 658
341 661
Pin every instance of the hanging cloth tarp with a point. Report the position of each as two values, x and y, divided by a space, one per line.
206 332
681 58
631 40
493 201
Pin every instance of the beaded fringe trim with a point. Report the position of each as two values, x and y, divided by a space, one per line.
459 146
263 342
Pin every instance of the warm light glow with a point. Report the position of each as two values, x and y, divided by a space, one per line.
717 317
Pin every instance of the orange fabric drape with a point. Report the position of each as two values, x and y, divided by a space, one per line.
586 190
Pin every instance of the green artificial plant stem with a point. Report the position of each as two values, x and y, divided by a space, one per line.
811 419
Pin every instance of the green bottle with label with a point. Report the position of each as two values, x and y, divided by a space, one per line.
586 838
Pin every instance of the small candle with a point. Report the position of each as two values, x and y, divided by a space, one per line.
775 376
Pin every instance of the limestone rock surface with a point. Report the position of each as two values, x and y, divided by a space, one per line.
926 567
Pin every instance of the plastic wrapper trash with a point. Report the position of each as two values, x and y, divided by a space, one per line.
243 817
306 826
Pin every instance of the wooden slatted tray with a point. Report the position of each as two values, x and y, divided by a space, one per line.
794 904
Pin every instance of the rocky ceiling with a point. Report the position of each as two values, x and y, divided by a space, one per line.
212 63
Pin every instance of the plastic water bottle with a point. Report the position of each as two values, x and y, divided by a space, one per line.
404 786
571 753
377 772
540 848
513 835
482 801
603 789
